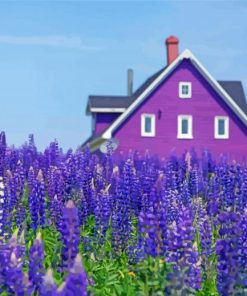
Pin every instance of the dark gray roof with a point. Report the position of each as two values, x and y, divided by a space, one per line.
148 82
236 91
110 101
233 88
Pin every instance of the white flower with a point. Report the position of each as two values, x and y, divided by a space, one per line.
1 211
1 185
1 193
1 200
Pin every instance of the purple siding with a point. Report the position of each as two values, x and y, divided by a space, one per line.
103 120
204 105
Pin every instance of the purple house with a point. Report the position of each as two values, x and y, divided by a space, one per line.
178 108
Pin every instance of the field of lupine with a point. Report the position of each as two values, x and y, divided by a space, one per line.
76 224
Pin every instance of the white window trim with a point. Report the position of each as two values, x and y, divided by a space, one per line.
185 96
190 127
152 133
216 127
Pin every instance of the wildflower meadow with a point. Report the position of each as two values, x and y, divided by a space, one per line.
77 223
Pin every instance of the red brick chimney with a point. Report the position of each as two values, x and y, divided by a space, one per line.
172 49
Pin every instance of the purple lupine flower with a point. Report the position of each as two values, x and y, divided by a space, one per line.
52 155
2 208
56 201
194 182
242 194
2 152
102 214
70 234
48 286
205 230
82 206
185 195
35 267
212 198
181 250
6 250
12 279
121 216
152 226
29 153
31 180
51 189
242 251
20 216
33 206
176 284
16 281
17 191
58 206
37 202
19 176
40 191
76 281
147 227
8 203
227 253
172 206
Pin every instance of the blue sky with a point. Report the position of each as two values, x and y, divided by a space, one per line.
53 54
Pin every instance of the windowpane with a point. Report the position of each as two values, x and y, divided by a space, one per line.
147 124
185 89
221 126
185 126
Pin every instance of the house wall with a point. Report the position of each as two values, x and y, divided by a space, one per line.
165 103
103 120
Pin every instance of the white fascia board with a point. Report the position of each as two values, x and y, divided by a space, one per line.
108 133
108 110
186 54
228 99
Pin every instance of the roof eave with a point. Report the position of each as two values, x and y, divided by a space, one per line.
107 110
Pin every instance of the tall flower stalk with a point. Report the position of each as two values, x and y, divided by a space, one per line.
35 267
70 235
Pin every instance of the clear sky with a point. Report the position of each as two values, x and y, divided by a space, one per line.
53 54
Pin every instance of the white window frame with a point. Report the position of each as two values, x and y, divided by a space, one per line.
185 96
143 132
190 127
216 127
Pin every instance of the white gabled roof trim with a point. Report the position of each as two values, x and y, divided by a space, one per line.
228 99
184 55
108 110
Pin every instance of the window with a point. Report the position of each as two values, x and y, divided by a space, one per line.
148 125
184 127
184 90
221 127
